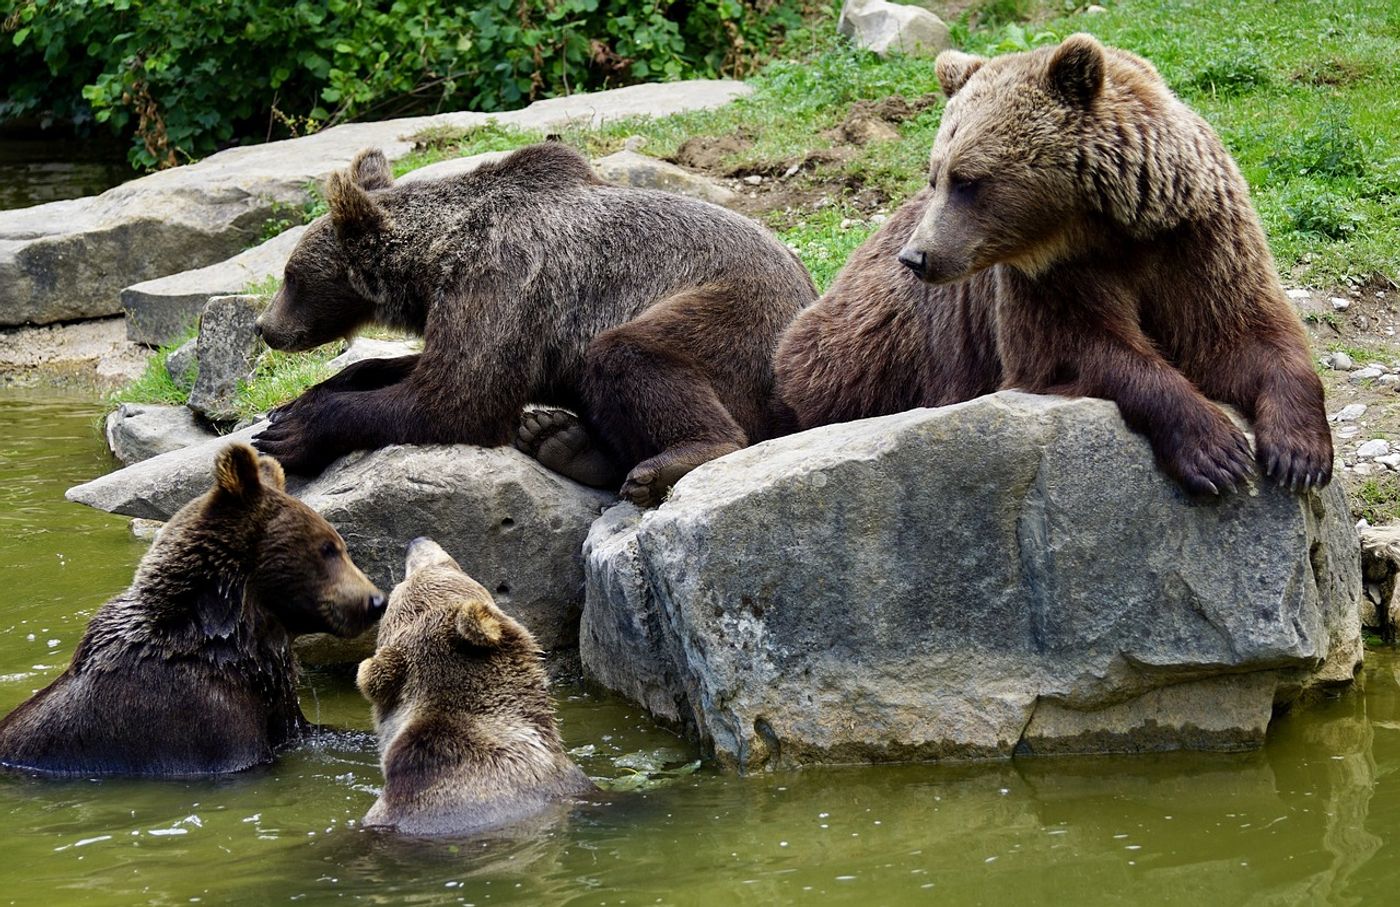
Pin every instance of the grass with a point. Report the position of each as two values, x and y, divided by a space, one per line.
1377 499
1305 95
156 384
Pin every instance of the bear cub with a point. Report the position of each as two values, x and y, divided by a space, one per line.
190 670
467 735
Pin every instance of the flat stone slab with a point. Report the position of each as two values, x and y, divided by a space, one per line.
1011 575
139 431
629 168
160 311
70 259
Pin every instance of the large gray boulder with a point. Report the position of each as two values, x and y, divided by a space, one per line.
1008 575
513 525
885 28
70 259
159 311
629 168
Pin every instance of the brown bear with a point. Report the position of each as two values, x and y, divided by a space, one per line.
1084 233
190 670
467 733
653 316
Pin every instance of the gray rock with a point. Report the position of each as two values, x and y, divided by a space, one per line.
1380 568
362 348
159 311
1376 447
451 167
628 168
139 431
228 351
886 28
70 259
1349 413
1369 373
146 530
621 642
513 525
183 363
1339 361
888 590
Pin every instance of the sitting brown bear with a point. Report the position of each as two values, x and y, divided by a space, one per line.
467 734
190 670
651 315
1084 233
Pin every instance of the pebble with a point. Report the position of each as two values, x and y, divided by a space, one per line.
846 223
634 143
754 179
1369 373
1366 469
1340 304
1388 380
1376 447
1093 9
1346 432
1339 361
879 218
1390 461
1349 413
1298 294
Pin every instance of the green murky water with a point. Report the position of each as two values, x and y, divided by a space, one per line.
1314 818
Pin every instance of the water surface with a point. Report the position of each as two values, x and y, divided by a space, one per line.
34 171
1312 819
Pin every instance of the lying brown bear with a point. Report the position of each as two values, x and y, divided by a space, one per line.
651 315
467 734
190 670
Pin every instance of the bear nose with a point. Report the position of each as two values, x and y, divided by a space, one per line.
376 605
257 328
914 261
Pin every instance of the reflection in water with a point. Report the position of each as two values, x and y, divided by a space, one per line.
1312 819
34 171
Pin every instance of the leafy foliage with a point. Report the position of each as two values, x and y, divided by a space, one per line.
183 79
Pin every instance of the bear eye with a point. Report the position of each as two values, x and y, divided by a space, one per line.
933 180
329 550
963 188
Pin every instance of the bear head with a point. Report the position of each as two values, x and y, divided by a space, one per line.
327 293
1004 173
294 563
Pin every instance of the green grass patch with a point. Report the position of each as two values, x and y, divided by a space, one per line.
825 240
155 384
1377 499
280 377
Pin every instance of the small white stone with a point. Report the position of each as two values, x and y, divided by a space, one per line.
878 219
634 143
1390 461
1093 9
1349 413
1376 447
753 179
1340 304
1366 469
1298 294
1339 362
846 223
1362 524
1347 432
1388 380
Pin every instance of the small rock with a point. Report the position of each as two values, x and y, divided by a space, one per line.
1350 413
628 168
634 143
884 27
1366 469
753 179
362 348
228 351
139 431
1346 432
1094 9
1298 294
1340 304
146 530
1369 373
1376 447
1389 461
878 219
1339 362
847 223
1388 380
182 364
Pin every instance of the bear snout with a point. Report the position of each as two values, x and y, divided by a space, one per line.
915 261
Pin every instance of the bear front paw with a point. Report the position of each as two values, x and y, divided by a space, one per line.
1296 460
292 441
1212 459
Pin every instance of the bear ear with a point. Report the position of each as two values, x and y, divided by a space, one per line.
353 212
478 624
954 68
370 170
237 474
1077 68
271 472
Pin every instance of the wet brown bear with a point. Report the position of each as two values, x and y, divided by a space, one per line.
1084 234
467 734
190 670
653 316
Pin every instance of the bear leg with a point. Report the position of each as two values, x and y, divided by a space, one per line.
562 443
654 404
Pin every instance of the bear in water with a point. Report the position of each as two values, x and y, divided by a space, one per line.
467 734
190 670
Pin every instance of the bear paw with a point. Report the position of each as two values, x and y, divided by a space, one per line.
559 440
650 480
1214 460
1298 461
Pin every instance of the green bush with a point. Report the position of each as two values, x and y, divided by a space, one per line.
183 79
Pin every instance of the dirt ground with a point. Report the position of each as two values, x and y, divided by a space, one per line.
84 353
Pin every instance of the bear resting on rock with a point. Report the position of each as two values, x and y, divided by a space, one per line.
190 670
1084 233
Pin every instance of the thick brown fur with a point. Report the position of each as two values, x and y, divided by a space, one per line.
1092 230
467 732
653 316
190 670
